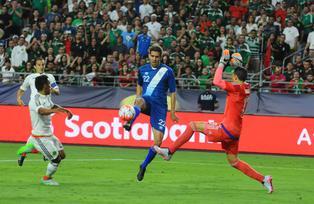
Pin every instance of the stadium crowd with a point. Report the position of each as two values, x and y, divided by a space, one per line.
89 42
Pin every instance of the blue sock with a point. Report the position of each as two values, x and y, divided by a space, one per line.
137 113
150 156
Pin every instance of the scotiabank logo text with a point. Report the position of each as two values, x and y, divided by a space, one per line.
305 137
105 129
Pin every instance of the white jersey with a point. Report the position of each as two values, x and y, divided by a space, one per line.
41 124
30 82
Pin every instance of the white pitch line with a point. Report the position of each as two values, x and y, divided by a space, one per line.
171 162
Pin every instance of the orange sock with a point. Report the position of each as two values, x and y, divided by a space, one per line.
248 170
46 178
182 139
34 151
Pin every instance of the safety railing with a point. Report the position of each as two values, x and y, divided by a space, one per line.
102 80
291 55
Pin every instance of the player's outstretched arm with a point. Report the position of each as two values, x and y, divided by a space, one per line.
46 111
218 81
60 109
19 95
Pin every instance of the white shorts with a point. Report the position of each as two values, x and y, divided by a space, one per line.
48 146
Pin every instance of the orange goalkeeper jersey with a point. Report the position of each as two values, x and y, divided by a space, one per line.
236 101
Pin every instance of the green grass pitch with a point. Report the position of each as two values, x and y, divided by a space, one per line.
108 175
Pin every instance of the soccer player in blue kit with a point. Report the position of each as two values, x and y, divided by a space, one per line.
154 80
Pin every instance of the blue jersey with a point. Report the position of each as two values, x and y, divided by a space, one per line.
143 43
156 82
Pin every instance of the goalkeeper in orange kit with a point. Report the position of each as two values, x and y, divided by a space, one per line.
228 131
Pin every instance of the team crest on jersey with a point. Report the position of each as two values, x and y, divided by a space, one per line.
146 73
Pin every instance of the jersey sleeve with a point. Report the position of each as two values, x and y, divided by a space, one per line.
53 82
171 81
26 83
139 78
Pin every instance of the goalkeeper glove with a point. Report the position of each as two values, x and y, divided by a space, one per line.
225 57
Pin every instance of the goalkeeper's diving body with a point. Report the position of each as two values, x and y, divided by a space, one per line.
228 131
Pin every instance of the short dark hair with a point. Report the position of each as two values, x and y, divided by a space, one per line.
39 59
155 48
241 73
40 82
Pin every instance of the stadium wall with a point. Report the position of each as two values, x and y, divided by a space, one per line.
110 97
261 134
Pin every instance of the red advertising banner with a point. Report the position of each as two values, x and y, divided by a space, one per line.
260 134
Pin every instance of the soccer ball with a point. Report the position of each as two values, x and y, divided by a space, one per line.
126 112
236 60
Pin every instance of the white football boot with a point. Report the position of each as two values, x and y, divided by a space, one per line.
267 183
163 152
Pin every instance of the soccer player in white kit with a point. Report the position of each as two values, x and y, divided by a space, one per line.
29 82
41 107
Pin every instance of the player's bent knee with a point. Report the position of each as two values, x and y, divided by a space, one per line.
139 101
233 163
158 143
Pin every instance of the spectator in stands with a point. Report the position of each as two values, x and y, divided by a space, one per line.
289 71
251 25
128 37
189 79
244 49
19 54
309 47
6 23
207 100
213 12
7 72
16 12
120 47
78 48
126 76
50 17
229 45
78 66
206 41
296 83
204 79
254 43
308 84
292 34
280 49
168 38
281 14
143 43
270 27
307 69
237 11
145 9
276 81
153 28
3 55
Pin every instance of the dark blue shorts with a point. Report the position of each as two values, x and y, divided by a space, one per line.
157 113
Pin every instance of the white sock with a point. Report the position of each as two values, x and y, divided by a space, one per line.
51 168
